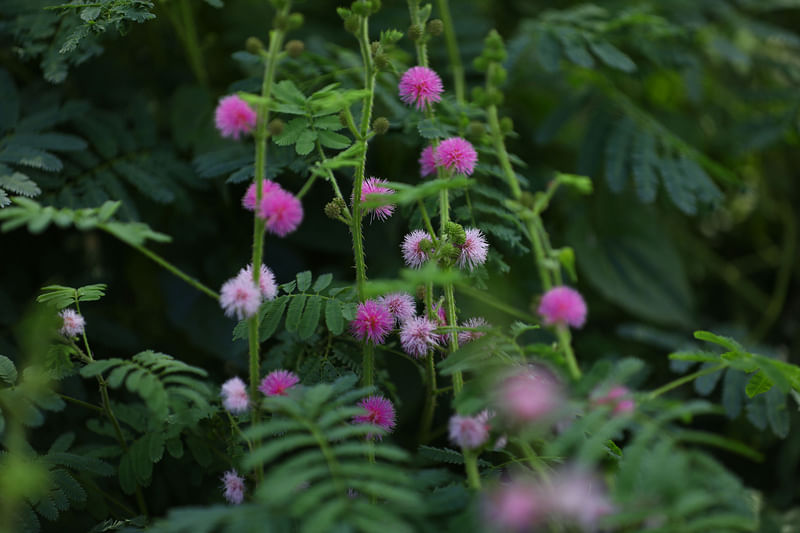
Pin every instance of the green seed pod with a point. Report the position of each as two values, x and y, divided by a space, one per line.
275 127
295 48
380 125
414 32
435 27
455 233
254 45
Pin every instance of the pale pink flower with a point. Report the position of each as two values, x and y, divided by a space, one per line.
379 411
73 324
562 305
457 154
372 323
469 336
240 297
249 198
375 186
234 117
427 161
417 336
468 432
578 497
234 396
234 487
413 254
282 211
618 396
277 382
400 304
266 281
441 321
420 86
474 249
514 507
529 396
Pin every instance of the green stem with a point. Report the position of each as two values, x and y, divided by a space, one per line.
452 50
450 304
502 153
76 401
533 459
564 341
426 219
421 44
685 379
368 365
191 43
471 466
430 400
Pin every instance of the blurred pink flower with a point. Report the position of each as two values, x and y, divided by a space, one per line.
618 396
457 154
234 396
240 297
249 198
469 432
266 280
578 497
73 324
420 86
417 336
234 487
234 117
282 211
563 305
514 507
413 254
528 396
427 161
379 411
277 382
372 323
469 336
400 304
474 249
375 186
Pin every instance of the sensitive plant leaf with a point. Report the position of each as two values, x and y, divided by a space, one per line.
310 319
334 319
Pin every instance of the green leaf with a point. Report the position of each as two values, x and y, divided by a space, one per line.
273 317
303 280
678 185
333 316
333 140
617 155
288 92
643 159
322 282
758 384
9 111
8 372
291 132
703 357
305 143
18 183
433 129
127 479
612 56
328 123
575 49
294 312
310 318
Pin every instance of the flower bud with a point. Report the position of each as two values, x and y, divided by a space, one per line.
295 20
435 27
335 208
506 125
254 45
476 129
499 75
414 32
352 23
381 61
295 48
380 125
375 47
360 8
455 233
275 127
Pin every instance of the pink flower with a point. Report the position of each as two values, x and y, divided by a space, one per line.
234 396
515 507
234 117
282 211
234 487
562 305
469 336
474 249
379 412
249 198
374 186
457 154
619 397
277 382
468 432
413 254
240 297
441 321
427 161
73 325
266 281
400 304
528 396
417 336
373 322
420 86
577 497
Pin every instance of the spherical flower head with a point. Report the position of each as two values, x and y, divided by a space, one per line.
427 161
578 497
474 249
234 396
420 86
277 382
529 396
457 154
282 211
234 487
469 336
515 507
618 396
372 323
376 186
400 304
240 297
413 254
379 411
266 281
73 324
417 336
468 432
563 306
234 117
249 198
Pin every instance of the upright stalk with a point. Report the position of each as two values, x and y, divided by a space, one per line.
452 50
471 466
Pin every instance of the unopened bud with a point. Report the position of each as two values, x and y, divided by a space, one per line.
352 23
455 233
295 20
448 254
335 208
435 27
254 45
420 292
380 125
281 22
275 127
506 125
295 48
414 32
375 47
476 129
381 61
359 8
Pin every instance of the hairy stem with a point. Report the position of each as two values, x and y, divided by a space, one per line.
471 466
452 50
420 44
564 341
430 399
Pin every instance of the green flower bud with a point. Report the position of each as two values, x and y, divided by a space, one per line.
455 233
376 6
481 63
254 45
426 245
295 48
382 61
352 23
420 293
494 96
360 8
335 208
476 129
414 32
380 125
499 75
375 47
280 22
479 96
275 127
435 27
506 125
448 254
295 20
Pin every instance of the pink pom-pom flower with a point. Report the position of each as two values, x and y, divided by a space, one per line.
515 507
277 382
400 304
529 396
420 86
376 186
240 297
427 161
417 336
73 323
577 497
372 322
469 432
457 154
413 254
282 211
474 249
249 199
469 336
234 117
234 396
379 411
266 281
233 486
563 306
619 397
